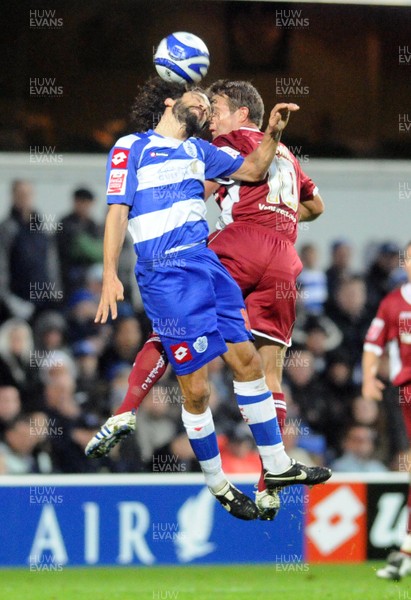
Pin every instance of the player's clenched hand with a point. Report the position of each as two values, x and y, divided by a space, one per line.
279 116
112 292
372 389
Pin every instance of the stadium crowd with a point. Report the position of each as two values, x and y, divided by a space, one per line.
62 375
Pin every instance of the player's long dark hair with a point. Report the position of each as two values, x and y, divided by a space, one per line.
148 106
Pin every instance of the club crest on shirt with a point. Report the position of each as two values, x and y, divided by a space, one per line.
201 344
190 149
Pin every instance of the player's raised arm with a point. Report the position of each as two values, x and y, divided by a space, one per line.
114 234
256 164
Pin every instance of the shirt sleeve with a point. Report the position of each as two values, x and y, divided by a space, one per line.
220 162
378 333
121 176
308 189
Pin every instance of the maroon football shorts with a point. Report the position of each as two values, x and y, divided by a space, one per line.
265 265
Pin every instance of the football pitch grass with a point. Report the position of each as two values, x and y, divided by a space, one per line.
234 582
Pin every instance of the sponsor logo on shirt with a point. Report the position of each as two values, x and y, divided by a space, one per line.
117 183
181 352
190 149
154 154
201 344
119 159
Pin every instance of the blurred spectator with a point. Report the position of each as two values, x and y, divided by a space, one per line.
296 435
16 348
351 317
340 268
82 307
379 276
68 428
175 457
238 451
49 330
80 242
307 390
17 450
319 335
29 273
10 405
126 341
312 281
358 446
91 391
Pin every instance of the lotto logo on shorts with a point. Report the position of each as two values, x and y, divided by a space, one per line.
181 352
117 183
119 159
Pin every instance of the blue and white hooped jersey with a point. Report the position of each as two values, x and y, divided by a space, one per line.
162 181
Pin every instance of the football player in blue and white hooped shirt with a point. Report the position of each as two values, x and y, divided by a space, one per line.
156 186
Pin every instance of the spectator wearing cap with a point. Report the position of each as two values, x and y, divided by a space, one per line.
49 331
379 277
80 242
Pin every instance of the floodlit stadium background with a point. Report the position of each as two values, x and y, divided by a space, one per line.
348 66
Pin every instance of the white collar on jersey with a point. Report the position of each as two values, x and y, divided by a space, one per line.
406 292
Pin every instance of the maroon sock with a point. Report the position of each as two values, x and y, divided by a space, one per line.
150 364
409 511
281 408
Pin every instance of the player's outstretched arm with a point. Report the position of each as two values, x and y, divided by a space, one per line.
256 164
311 209
372 387
114 234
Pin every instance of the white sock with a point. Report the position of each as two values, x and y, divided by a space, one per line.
201 433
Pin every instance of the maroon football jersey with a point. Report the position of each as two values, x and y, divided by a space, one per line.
272 203
392 326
